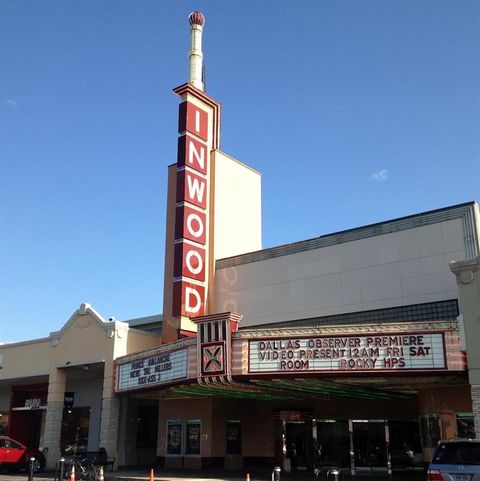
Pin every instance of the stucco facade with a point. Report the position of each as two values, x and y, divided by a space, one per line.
78 358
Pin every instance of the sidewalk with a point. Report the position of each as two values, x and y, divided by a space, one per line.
255 475
220 475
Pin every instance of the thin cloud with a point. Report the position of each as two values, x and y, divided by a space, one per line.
380 176
10 102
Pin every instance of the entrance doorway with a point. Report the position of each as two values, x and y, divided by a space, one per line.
370 445
296 444
360 445
331 443
293 440
75 428
405 444
27 425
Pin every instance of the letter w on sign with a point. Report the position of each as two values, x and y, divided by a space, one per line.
213 359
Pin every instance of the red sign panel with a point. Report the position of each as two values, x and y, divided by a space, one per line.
190 224
191 212
189 261
192 153
193 119
191 188
188 299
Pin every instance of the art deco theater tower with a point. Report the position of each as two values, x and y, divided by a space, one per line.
214 204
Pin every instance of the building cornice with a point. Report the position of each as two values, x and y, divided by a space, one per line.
343 330
465 270
465 212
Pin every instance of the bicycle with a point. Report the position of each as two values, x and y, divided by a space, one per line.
85 468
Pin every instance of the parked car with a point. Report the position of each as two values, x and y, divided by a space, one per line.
457 460
15 455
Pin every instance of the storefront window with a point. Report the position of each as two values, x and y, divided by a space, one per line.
234 437
74 435
3 423
430 428
174 437
192 438
465 426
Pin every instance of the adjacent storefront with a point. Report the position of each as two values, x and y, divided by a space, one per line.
27 413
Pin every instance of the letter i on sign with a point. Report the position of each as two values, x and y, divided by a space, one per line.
197 121
193 119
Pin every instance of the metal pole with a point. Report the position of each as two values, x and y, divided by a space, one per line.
30 469
61 467
276 473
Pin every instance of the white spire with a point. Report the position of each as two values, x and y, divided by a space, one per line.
195 56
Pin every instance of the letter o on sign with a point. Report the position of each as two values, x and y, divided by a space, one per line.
195 225
194 262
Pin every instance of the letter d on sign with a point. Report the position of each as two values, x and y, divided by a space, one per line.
193 301
188 299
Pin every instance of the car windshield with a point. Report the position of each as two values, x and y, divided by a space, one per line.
457 453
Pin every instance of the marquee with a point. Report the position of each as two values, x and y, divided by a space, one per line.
424 351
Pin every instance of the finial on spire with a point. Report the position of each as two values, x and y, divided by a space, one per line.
196 18
195 56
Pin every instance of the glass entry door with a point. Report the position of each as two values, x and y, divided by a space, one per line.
296 444
370 445
331 443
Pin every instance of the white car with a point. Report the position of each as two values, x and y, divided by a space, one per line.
457 460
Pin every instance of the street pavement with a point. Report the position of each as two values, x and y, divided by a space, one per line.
209 475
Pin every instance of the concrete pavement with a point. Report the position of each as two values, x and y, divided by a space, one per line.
220 475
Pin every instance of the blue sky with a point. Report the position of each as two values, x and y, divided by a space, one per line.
354 112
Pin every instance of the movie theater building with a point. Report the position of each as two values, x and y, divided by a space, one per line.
348 351
357 349
345 349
